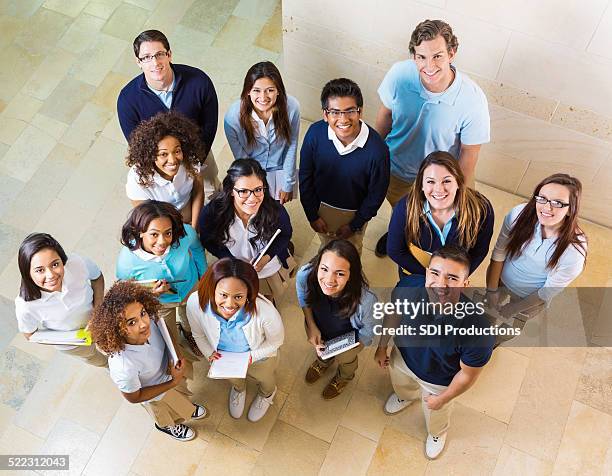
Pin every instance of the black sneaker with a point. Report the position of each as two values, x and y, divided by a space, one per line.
381 246
178 432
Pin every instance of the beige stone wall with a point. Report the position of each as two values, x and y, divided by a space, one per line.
545 66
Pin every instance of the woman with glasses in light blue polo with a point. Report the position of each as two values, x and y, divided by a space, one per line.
242 219
540 249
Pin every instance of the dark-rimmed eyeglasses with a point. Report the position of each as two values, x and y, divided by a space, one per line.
553 203
337 114
148 58
246 193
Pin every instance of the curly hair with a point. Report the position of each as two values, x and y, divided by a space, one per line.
107 325
144 140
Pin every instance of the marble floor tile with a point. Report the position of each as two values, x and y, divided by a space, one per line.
113 132
19 373
16 440
87 127
271 35
253 435
474 441
122 441
20 9
101 8
70 438
498 386
187 45
226 456
398 453
107 92
44 353
511 462
93 401
168 13
23 64
9 188
22 107
126 22
349 453
365 416
595 384
237 28
306 409
46 183
71 8
26 154
208 16
162 455
256 9
586 443
146 4
67 100
94 63
6 417
544 402
8 323
51 72
81 34
11 26
44 29
10 239
11 129
288 447
50 391
50 126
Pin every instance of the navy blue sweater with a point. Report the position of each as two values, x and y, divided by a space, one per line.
208 221
355 181
194 96
398 250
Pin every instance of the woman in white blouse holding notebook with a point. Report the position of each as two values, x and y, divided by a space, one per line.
58 293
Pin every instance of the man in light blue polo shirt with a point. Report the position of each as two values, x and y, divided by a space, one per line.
428 105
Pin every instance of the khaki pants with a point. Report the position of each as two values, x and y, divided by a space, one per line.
175 406
397 189
334 219
264 371
409 387
276 285
347 362
89 354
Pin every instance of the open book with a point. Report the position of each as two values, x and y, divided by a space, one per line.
78 337
339 344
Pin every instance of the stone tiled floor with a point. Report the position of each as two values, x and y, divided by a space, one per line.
534 411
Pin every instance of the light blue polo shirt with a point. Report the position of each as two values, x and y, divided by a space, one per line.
424 122
231 337
443 233
165 96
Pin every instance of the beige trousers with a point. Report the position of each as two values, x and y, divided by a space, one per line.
409 387
347 362
89 354
264 371
175 406
397 189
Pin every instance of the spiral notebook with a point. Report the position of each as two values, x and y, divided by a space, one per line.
339 344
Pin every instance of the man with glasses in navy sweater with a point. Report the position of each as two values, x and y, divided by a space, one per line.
344 167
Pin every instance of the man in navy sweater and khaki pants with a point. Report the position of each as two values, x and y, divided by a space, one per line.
164 86
344 167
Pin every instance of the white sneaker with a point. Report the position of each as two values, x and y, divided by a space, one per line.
199 412
236 402
434 445
260 406
395 404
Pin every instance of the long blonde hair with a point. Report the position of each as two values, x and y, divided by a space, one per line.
471 207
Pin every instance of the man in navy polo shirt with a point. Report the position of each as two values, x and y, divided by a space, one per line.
439 362
164 86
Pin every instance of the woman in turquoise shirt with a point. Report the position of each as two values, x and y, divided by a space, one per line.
166 255
264 125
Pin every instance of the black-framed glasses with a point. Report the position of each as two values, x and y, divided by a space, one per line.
246 193
337 114
553 203
148 58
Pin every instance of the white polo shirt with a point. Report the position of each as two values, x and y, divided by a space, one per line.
176 191
139 366
240 246
65 310
359 141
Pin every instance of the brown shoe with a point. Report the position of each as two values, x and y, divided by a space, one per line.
315 371
334 387
193 345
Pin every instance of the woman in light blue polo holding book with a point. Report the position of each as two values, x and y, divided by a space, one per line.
164 254
264 125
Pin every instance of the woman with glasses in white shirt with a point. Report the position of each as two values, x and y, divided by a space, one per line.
540 249
165 156
58 293
264 125
242 219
